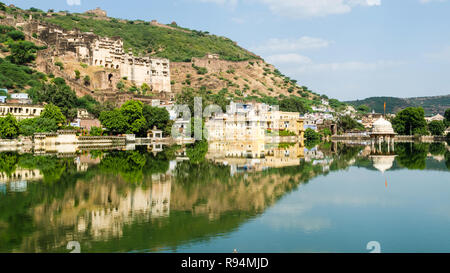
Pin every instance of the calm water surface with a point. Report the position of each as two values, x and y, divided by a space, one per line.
331 198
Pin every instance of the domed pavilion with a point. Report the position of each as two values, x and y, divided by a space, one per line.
382 131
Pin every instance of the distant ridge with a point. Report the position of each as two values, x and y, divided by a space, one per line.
432 105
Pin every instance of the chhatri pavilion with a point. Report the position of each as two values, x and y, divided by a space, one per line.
382 131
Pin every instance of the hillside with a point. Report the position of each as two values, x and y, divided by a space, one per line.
142 38
200 62
431 105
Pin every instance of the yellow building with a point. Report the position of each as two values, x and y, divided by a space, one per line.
249 122
285 121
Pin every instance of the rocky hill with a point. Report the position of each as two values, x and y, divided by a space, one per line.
199 60
431 105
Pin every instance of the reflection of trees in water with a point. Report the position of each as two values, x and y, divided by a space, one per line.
412 155
205 200
51 167
437 148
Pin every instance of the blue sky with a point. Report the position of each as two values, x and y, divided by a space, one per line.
347 49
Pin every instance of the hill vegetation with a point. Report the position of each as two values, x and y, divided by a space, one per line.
177 45
431 105
237 75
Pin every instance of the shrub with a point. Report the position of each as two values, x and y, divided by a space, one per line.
60 65
87 80
96 131
16 35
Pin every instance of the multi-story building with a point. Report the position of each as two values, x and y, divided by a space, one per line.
106 52
250 121
21 111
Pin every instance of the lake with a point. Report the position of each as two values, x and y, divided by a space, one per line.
328 198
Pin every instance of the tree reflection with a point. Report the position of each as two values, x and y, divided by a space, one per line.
412 155
120 189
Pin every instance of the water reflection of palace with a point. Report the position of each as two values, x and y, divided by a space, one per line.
255 155
18 179
103 206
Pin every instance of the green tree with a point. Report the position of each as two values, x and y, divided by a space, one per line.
22 52
436 127
28 127
113 121
447 117
346 123
53 112
156 116
57 93
9 127
311 135
292 104
410 121
96 131
133 113
363 108
16 35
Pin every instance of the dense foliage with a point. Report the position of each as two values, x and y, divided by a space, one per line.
134 117
9 128
347 123
410 121
50 120
436 127
447 117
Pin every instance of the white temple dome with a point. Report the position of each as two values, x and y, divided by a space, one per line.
382 126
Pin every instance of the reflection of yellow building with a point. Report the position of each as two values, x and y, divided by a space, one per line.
255 156
278 157
109 206
137 204
250 149
21 175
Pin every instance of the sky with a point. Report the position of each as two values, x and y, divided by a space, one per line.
346 49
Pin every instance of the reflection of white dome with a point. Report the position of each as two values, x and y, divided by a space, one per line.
383 162
382 126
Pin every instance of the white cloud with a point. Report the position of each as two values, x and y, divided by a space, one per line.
290 58
315 8
302 43
428 1
73 2
442 55
304 8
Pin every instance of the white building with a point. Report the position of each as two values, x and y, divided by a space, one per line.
21 111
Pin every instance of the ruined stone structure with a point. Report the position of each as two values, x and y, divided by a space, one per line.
98 12
109 53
